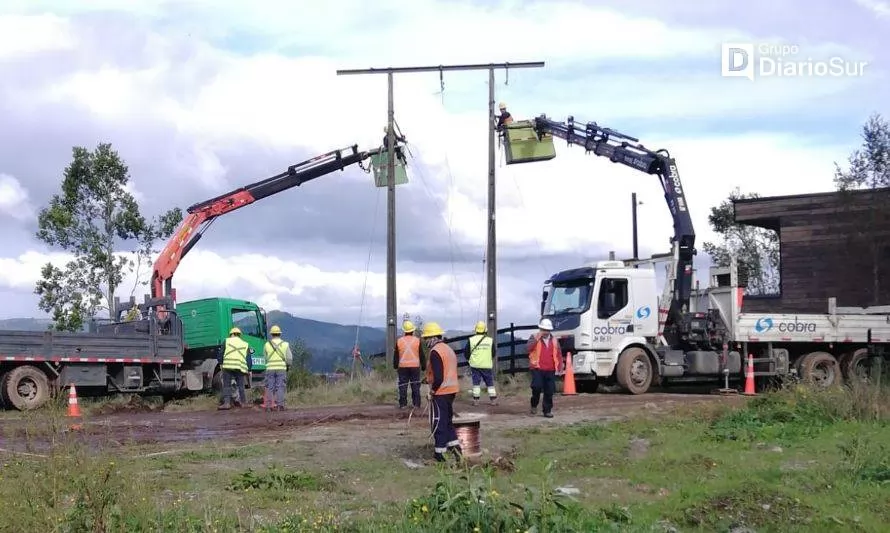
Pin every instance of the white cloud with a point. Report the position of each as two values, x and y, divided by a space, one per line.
14 201
22 36
880 8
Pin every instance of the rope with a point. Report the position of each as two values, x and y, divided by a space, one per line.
367 270
429 193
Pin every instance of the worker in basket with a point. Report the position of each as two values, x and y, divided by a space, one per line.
504 118
441 375
399 139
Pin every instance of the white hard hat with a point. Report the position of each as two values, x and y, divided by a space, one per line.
545 324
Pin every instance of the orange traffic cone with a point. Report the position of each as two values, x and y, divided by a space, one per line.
749 377
568 381
73 407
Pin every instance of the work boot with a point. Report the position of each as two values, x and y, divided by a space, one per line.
493 401
475 402
439 457
548 415
458 452
225 406
533 411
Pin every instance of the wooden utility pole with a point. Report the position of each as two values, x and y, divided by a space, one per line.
391 195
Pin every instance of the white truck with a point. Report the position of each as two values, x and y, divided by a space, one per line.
610 317
607 315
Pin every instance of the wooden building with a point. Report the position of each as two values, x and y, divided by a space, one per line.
832 244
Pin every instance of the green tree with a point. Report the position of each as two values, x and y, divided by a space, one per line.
96 220
756 249
300 376
868 170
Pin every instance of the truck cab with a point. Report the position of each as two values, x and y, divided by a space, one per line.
206 324
598 311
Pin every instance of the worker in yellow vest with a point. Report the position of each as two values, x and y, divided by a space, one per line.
278 360
441 375
234 366
479 352
408 361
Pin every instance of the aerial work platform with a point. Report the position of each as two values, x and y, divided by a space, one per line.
379 165
524 145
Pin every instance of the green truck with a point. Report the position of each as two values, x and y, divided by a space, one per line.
176 356
205 326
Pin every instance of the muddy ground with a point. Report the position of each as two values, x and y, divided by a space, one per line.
161 429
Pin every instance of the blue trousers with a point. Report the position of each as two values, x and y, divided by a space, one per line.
276 386
442 422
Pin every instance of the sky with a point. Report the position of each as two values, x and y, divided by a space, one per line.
202 97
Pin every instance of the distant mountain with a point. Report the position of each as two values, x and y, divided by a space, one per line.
330 344
25 324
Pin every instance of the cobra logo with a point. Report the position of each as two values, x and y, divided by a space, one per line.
763 324
644 312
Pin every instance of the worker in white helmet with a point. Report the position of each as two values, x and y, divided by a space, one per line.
544 362
504 118
399 139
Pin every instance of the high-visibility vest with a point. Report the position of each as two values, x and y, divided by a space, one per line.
449 369
276 353
235 356
408 347
480 351
534 356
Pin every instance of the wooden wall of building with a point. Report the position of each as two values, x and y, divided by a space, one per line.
832 244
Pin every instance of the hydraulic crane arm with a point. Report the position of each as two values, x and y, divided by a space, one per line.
628 151
201 215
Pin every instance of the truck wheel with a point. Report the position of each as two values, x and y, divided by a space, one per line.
26 388
634 371
854 367
820 369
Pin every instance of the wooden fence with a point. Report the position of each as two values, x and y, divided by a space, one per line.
512 354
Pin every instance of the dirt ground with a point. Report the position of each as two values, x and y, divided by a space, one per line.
241 426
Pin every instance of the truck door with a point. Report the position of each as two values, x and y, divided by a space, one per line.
250 322
613 316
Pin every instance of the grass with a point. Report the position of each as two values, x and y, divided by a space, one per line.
793 460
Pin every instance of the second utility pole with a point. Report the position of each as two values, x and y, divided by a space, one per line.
491 255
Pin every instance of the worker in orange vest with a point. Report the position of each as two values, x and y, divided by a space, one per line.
408 360
442 378
504 118
544 362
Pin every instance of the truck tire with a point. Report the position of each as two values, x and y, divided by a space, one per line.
853 366
26 388
820 369
634 372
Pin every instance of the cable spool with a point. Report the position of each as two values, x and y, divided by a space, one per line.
469 435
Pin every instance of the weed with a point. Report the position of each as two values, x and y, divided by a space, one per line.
276 479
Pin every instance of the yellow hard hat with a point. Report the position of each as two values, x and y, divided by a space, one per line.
275 330
502 105
480 327
408 326
235 331
432 329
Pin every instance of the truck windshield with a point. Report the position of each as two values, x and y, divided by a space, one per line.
569 297
248 321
